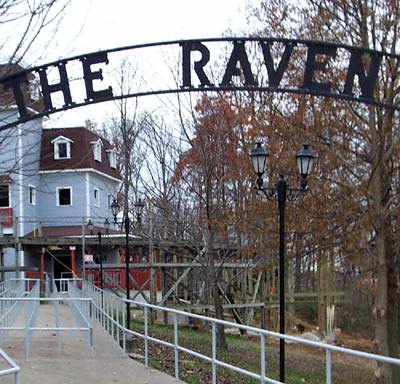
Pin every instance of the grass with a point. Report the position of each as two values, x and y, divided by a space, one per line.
303 364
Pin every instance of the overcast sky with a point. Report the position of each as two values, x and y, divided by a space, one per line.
92 25
124 22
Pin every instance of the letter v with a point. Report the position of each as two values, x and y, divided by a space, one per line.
275 76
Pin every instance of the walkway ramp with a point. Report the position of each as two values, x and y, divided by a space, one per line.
75 361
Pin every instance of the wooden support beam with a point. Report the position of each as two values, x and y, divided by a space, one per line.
174 287
234 311
201 291
253 300
8 268
139 289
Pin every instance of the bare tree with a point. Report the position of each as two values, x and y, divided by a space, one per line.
23 22
123 130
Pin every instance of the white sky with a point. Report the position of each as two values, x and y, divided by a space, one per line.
124 22
92 25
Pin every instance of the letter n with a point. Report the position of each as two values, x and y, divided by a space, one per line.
367 81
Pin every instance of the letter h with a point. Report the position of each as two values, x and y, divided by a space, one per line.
62 86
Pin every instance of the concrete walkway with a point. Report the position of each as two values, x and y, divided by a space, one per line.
76 363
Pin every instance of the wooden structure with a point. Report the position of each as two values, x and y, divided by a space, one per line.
174 274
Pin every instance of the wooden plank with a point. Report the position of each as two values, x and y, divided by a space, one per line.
175 285
234 311
253 300
8 268
139 289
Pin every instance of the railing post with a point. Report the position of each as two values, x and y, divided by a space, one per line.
146 334
112 318
105 311
263 364
214 352
27 330
176 346
117 318
328 366
124 330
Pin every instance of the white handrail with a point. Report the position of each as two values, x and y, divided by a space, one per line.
26 295
106 318
14 370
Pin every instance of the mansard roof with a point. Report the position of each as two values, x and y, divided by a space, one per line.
82 157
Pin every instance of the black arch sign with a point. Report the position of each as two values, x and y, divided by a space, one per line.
320 63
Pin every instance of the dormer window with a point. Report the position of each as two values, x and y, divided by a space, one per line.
96 147
62 148
112 158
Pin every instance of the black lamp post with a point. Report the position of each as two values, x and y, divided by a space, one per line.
99 236
305 159
139 205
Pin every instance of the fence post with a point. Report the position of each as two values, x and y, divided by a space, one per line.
27 330
214 352
176 346
328 367
124 330
112 318
263 365
117 315
146 334
57 318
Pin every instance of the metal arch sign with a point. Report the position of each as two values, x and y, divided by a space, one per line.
328 69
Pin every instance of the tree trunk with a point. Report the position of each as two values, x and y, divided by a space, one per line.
393 322
219 311
380 312
383 373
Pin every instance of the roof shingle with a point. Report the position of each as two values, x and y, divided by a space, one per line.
82 156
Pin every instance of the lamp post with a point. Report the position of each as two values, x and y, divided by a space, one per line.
90 227
99 237
281 193
139 205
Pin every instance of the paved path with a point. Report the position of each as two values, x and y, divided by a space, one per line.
76 363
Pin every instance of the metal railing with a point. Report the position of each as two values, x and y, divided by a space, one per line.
13 370
26 294
81 310
109 309
110 312
31 312
10 308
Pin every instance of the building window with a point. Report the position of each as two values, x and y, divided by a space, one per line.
4 195
62 151
96 197
96 147
62 148
64 196
32 195
109 201
112 158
